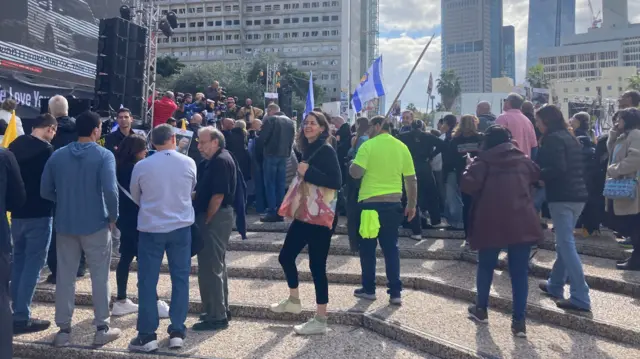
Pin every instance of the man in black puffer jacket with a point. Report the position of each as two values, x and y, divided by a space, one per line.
562 168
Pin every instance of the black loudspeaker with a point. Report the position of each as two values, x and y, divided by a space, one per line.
120 67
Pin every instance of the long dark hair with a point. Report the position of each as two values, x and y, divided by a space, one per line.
129 148
303 142
631 117
494 136
552 118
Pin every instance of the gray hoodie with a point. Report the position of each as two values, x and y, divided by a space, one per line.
81 179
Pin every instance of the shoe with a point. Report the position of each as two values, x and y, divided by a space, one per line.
360 293
62 339
519 328
477 314
543 287
30 326
313 327
441 225
51 279
416 237
271 218
146 344
163 309
395 301
211 325
626 243
568 305
105 335
176 340
286 306
123 308
628 265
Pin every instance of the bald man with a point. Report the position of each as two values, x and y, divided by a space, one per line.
485 117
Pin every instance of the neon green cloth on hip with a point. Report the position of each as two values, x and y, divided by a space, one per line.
369 224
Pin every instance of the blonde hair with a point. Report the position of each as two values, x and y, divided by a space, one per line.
241 124
199 96
9 104
468 125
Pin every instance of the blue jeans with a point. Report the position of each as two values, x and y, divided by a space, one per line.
275 179
31 238
518 271
453 202
539 197
258 180
567 265
391 216
151 248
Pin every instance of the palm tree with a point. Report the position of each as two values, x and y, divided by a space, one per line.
448 86
536 78
634 82
411 107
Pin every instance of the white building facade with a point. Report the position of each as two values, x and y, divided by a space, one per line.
309 35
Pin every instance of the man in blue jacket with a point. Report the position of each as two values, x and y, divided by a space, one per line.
80 179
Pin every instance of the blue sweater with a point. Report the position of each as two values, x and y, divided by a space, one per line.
81 179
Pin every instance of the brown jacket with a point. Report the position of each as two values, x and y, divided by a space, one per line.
253 112
625 164
502 210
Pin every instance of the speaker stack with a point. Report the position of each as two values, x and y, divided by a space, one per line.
285 100
120 67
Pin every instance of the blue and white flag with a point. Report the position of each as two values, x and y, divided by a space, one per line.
310 104
370 86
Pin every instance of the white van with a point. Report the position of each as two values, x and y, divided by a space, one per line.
64 27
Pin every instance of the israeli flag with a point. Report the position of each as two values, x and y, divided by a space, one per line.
371 86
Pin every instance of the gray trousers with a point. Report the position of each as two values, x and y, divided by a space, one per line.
97 248
212 268
6 318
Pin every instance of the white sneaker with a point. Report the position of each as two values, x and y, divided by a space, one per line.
123 308
416 237
163 309
441 225
312 327
286 306
176 341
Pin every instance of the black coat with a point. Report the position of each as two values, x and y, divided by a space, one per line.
423 147
562 166
66 132
12 195
324 168
237 145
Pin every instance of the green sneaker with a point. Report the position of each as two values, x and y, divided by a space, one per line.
286 306
312 327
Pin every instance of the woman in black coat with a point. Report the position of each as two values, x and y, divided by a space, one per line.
238 145
131 150
319 167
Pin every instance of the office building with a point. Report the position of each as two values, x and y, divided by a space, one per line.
325 37
616 43
466 42
497 53
509 52
549 22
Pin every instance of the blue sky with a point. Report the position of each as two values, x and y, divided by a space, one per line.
407 25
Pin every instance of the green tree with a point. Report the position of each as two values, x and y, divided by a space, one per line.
448 86
633 82
289 76
167 66
411 107
440 107
535 77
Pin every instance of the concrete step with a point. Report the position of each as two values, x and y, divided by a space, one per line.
600 272
245 338
431 322
455 279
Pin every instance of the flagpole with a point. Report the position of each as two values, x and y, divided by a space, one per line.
411 73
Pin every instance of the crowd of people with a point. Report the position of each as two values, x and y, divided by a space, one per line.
74 201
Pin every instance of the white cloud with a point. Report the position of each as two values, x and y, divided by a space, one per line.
415 16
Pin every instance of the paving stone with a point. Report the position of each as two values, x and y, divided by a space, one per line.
244 338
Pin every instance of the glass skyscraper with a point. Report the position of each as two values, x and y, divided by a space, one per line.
496 38
549 22
509 52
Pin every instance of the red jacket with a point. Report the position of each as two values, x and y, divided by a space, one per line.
502 211
163 109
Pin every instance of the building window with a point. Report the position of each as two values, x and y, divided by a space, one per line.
201 38
276 35
217 8
227 37
325 33
248 37
287 6
209 8
294 34
219 23
227 8
335 3
182 25
210 38
286 35
267 36
192 39
257 8
209 23
305 19
237 37
334 76
218 37
286 21
326 18
305 34
267 8
335 32
182 11
257 22
295 20
325 4
295 6
249 22
334 18
229 51
249 8
228 22
192 10
586 89
315 4
192 24
200 23
314 19
306 5
276 21
236 22
566 90
199 10
314 33
267 21
236 7
609 87
276 7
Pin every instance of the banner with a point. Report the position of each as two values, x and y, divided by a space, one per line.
54 39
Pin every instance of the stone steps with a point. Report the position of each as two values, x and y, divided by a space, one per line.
245 338
428 321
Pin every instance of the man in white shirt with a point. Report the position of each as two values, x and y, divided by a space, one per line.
164 221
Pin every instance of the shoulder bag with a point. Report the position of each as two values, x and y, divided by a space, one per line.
620 188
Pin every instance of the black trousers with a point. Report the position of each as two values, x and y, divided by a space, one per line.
52 258
428 199
6 317
466 209
353 214
318 239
